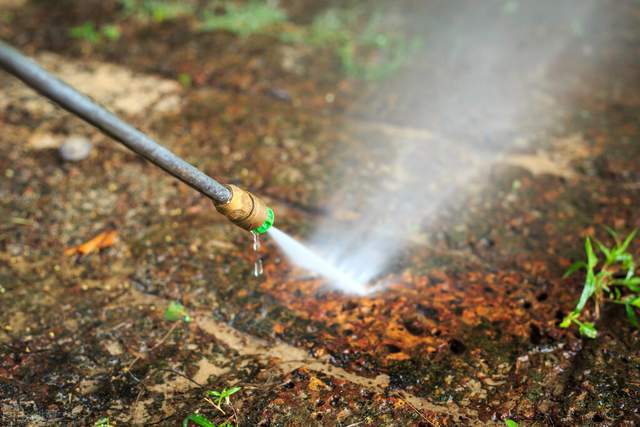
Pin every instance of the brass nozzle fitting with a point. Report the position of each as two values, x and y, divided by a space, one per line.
247 210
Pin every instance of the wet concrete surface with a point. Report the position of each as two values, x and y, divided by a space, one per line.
466 333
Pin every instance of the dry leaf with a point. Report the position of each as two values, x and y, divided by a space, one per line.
102 240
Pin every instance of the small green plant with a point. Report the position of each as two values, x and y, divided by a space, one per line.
156 10
375 56
110 31
86 31
176 311
91 34
223 395
362 41
244 19
185 80
197 419
510 423
613 281
220 397
365 48
102 422
203 421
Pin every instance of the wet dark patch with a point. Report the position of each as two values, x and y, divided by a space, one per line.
414 327
391 348
534 334
542 296
457 347
427 311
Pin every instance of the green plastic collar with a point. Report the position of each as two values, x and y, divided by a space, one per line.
267 222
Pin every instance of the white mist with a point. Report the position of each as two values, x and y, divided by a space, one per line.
487 83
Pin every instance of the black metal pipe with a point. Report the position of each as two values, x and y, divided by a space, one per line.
71 100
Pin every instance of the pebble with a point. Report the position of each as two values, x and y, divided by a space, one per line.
75 148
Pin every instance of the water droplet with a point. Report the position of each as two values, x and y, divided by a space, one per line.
257 267
256 241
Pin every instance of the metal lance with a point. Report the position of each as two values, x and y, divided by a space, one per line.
241 207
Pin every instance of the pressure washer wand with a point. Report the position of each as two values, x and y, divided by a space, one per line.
241 207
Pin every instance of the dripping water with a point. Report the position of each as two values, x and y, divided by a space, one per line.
257 266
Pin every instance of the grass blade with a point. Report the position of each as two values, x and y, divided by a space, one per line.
613 234
566 322
233 390
588 330
569 318
587 291
631 314
573 268
592 259
603 249
198 420
628 240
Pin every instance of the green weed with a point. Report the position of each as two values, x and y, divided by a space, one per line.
366 50
86 31
176 311
510 423
219 398
110 31
375 56
223 395
362 42
197 419
203 421
156 10
243 19
613 280
93 35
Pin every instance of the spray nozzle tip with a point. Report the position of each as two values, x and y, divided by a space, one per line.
267 224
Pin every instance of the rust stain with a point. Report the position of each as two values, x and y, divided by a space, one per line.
290 358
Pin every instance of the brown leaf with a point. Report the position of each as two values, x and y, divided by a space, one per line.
102 240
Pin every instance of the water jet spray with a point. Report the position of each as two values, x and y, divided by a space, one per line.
241 207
